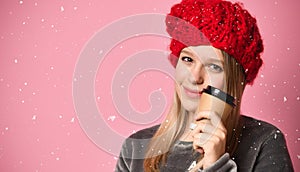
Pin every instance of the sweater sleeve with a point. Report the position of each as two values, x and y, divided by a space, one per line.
224 164
273 155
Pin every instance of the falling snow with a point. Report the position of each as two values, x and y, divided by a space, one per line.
111 118
29 86
33 117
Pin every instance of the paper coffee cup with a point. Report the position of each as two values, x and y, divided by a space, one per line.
214 99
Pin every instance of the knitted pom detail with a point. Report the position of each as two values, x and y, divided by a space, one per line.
222 24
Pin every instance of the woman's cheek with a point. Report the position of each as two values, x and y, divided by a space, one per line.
181 73
217 80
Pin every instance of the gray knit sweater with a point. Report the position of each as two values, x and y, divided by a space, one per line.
262 147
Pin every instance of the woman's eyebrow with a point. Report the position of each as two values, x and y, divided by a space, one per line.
216 60
187 52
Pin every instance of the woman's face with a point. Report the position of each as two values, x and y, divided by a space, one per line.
197 67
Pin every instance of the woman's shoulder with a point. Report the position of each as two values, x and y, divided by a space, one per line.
264 145
146 133
257 126
256 133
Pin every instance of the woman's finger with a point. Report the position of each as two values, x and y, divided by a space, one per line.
212 116
207 127
201 139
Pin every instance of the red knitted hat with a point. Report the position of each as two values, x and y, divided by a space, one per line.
223 25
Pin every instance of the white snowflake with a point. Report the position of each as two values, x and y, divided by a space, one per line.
111 118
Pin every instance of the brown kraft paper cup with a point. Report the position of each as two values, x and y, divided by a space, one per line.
213 99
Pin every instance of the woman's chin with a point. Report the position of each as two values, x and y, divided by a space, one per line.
190 108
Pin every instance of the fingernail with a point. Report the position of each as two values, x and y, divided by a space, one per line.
193 126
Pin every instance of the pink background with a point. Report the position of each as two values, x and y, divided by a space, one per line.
41 43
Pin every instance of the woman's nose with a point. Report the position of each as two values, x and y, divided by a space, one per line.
197 74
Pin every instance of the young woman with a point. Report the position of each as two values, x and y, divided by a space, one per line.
224 52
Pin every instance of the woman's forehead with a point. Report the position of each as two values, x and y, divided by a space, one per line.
204 52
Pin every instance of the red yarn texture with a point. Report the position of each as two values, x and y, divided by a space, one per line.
222 24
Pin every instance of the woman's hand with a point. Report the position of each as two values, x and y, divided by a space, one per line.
209 137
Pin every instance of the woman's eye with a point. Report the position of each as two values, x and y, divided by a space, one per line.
215 68
187 59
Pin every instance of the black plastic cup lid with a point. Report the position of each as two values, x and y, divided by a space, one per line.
219 94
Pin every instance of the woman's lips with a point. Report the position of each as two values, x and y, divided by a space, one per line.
192 93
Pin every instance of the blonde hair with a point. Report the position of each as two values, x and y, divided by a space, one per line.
172 128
